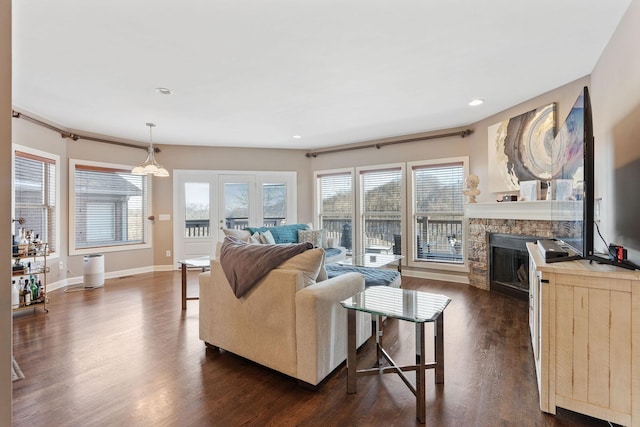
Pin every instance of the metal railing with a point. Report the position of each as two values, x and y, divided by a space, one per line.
436 239
196 228
200 227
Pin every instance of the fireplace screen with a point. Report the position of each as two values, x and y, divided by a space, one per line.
509 264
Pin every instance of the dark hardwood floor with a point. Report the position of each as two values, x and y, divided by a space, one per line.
127 355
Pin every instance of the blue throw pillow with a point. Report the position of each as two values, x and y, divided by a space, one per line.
281 233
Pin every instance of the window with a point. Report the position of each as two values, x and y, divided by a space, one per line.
109 207
381 210
413 207
335 206
35 195
274 204
438 215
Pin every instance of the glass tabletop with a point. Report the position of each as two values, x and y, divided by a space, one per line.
373 260
197 262
406 304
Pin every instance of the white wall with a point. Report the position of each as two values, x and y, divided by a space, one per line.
615 95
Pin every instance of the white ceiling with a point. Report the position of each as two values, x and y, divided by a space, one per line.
253 73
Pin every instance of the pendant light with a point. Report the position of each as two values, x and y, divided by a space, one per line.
150 166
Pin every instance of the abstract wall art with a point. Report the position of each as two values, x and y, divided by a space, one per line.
520 149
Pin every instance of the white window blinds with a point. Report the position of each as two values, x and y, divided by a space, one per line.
382 192
35 196
336 195
110 207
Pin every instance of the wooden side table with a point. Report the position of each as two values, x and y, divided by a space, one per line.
203 263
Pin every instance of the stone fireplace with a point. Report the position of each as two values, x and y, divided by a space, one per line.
531 220
479 248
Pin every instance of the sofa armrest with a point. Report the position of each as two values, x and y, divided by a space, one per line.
321 326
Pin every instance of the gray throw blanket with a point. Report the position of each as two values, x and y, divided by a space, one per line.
245 264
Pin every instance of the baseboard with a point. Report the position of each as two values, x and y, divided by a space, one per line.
436 276
78 280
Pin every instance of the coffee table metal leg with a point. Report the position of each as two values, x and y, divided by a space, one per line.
421 410
378 331
439 344
351 352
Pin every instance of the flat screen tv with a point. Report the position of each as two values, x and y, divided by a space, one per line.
573 177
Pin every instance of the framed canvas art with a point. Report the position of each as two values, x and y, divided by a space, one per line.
520 149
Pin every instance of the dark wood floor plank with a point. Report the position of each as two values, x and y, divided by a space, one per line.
126 354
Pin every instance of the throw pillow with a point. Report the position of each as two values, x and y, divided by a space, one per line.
310 262
243 235
255 238
312 236
267 238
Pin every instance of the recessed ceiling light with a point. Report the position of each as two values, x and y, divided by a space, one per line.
163 91
476 102
297 136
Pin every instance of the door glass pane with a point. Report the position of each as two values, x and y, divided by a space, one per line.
196 204
381 210
439 213
274 204
236 205
336 207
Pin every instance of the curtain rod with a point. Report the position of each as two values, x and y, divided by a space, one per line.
75 136
379 145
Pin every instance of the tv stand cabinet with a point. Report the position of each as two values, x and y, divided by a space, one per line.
584 320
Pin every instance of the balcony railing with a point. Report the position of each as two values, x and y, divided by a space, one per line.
436 239
200 227
197 228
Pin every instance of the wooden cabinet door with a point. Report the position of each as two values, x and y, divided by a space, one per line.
593 344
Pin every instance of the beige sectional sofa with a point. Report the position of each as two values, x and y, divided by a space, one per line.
288 322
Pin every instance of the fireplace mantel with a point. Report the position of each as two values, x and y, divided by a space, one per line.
541 210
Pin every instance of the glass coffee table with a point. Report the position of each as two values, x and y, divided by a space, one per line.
373 260
404 304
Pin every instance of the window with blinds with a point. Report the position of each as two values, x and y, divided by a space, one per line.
109 205
438 212
381 210
35 196
335 212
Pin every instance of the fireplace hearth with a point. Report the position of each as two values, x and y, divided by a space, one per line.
509 264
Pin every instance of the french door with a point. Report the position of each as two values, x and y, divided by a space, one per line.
206 202
195 214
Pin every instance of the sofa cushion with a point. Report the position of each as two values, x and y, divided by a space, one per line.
267 238
309 262
281 233
243 235
315 237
